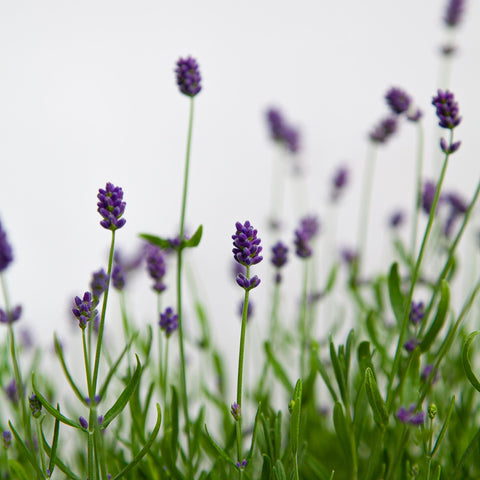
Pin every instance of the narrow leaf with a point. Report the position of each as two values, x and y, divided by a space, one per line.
17 468
443 431
341 429
379 409
254 433
219 450
154 240
25 450
326 379
122 400
338 370
397 299
332 276
59 464
195 238
53 452
279 471
364 357
466 360
439 321
277 367
295 410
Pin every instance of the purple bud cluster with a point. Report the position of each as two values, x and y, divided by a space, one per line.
111 207
118 277
11 316
83 309
35 406
309 227
447 109
411 344
340 181
188 76
281 131
279 259
383 130
6 255
246 245
236 411
458 207
396 219
428 195
11 391
156 266
398 100
410 417
454 11
417 312
99 283
7 439
168 321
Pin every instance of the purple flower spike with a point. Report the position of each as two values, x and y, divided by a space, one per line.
279 259
188 76
428 195
340 181
6 255
449 149
7 439
12 316
310 225
168 321
83 423
111 207
417 312
276 123
236 411
11 390
247 283
83 309
411 345
398 100
447 109
98 285
453 14
118 277
156 266
246 245
35 406
409 416
302 244
427 371
396 219
385 129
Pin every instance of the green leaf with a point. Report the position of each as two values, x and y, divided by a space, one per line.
372 333
379 409
439 321
124 397
266 468
17 468
194 240
326 379
348 351
53 411
364 357
163 243
145 448
397 299
53 452
438 473
254 433
30 457
339 371
341 429
295 416
443 431
332 276
466 360
219 450
174 423
279 471
277 368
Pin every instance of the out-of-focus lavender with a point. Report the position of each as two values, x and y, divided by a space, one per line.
398 100
409 416
417 312
397 219
188 76
6 254
118 277
454 12
339 183
447 109
11 316
168 321
99 282
383 130
156 266
281 131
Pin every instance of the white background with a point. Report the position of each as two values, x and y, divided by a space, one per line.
88 95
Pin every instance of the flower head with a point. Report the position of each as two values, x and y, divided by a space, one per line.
7 439
310 225
11 390
428 195
11 316
111 207
409 416
302 244
281 131
396 219
398 100
83 309
83 422
35 406
246 245
99 282
383 130
427 371
447 109
6 255
340 181
417 312
156 266
236 411
188 76
168 321
247 283
411 344
454 11
118 277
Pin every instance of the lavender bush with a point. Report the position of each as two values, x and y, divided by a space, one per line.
392 393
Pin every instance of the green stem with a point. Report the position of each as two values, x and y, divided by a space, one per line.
365 202
416 271
418 189
179 290
302 320
88 373
102 318
241 355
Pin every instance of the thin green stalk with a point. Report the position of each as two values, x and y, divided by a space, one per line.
88 373
241 355
398 453
102 317
302 320
179 291
418 189
366 200
40 450
415 274
126 327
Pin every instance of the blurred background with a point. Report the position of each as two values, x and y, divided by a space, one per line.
88 95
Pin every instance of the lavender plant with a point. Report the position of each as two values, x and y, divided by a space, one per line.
397 397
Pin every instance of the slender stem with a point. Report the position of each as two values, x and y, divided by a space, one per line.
365 202
102 318
88 373
418 189
302 320
415 274
241 355
179 289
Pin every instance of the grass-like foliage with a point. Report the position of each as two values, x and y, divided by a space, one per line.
392 394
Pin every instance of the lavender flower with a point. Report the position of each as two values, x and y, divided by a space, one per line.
35 406
292 138
236 411
428 195
279 259
385 129
447 109
349 256
453 14
275 123
246 245
99 282
156 266
302 244
427 372
458 207
118 277
409 416
11 391
168 321
6 255
411 344
310 225
83 309
83 422
12 316
415 116
188 76
398 100
340 181
111 207
417 312
247 283
7 439
250 309
396 219
241 465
